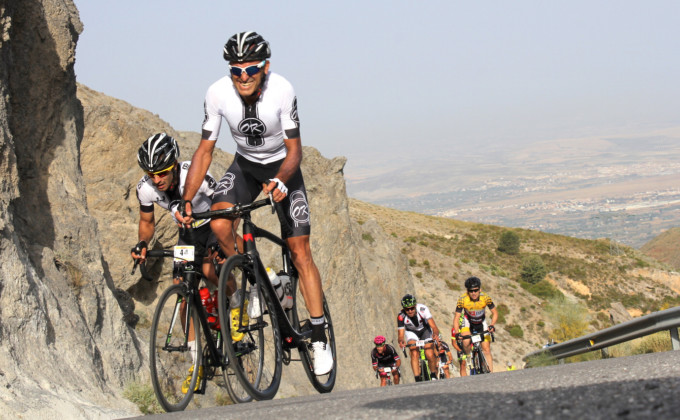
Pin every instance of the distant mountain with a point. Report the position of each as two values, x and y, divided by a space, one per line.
665 247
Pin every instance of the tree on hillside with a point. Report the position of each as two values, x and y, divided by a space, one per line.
533 269
509 243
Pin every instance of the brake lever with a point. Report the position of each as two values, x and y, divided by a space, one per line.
271 200
134 268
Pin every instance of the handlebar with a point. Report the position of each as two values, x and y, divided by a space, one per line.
237 211
485 332
150 253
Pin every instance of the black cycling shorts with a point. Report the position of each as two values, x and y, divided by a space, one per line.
201 238
242 183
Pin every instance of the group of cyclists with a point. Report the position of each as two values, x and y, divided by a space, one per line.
416 324
260 108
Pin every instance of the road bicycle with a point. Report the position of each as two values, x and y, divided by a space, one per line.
386 372
479 364
258 347
425 373
175 347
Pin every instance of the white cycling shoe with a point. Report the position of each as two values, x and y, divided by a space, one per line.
323 358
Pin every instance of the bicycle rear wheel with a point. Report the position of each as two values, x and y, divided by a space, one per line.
227 377
477 370
254 348
322 383
170 356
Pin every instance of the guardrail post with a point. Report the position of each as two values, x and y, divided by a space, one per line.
675 341
604 351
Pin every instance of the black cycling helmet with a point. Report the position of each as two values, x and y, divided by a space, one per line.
246 46
473 283
158 152
408 301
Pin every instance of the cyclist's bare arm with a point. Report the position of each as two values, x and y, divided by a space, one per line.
456 323
400 335
200 163
435 330
494 316
147 227
289 166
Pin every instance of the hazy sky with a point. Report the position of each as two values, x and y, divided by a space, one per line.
381 80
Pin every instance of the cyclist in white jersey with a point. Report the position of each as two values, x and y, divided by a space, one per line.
260 108
163 185
414 323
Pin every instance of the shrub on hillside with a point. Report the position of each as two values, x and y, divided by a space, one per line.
503 310
533 269
543 289
509 243
570 318
515 330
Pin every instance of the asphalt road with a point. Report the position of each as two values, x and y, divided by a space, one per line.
637 387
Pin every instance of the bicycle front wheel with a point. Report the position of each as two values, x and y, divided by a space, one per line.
483 365
253 345
322 383
175 349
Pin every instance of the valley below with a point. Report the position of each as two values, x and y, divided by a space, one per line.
624 189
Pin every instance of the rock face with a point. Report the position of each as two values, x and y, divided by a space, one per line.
64 347
73 321
362 280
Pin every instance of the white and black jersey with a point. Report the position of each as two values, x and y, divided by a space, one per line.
416 323
148 194
258 129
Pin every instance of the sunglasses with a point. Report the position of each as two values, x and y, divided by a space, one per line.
250 70
412 308
473 290
160 174
380 345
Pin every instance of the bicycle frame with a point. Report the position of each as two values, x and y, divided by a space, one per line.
476 341
292 337
423 358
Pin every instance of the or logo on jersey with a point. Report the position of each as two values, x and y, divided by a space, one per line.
205 113
160 198
211 182
253 129
185 165
225 184
294 112
299 210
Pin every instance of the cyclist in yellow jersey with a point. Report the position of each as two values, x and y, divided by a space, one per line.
474 304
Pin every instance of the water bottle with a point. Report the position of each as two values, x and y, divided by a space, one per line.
209 305
287 289
216 326
276 282
254 307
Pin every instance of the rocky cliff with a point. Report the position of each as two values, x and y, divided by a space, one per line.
63 343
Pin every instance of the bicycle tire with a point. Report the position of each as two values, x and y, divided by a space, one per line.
475 362
483 365
425 373
229 380
256 356
169 359
322 383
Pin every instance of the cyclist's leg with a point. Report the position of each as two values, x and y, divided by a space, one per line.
395 376
410 338
432 360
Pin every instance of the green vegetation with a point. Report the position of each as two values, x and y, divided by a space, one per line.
543 289
571 319
515 330
412 262
143 397
509 243
367 237
503 310
533 269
